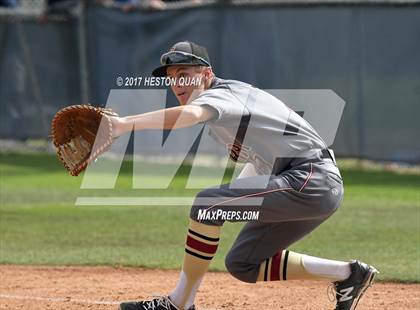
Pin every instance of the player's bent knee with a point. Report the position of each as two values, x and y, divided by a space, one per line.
200 214
242 271
202 211
333 202
327 209
196 212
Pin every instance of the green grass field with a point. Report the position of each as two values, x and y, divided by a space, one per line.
379 221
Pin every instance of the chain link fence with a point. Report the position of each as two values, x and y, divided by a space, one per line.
67 52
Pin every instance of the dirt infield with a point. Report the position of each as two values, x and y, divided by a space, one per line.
28 287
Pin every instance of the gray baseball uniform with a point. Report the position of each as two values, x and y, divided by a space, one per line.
298 182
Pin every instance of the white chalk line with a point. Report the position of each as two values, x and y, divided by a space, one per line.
60 299
69 299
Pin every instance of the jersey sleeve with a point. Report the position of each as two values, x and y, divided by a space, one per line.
223 102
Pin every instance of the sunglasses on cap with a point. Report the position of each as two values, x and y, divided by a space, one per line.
178 57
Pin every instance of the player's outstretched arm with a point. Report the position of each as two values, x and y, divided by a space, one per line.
172 118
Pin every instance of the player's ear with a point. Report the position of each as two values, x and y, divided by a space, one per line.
208 73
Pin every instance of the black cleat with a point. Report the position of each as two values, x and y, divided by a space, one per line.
348 292
159 303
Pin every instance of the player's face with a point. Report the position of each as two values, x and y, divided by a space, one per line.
184 87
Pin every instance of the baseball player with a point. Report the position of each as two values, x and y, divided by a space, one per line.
288 165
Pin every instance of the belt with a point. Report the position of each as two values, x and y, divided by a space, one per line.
328 154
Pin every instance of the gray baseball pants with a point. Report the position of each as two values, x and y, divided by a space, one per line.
294 203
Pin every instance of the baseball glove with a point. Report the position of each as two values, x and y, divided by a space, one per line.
81 133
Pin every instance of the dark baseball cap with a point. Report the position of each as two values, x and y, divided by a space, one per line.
184 53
